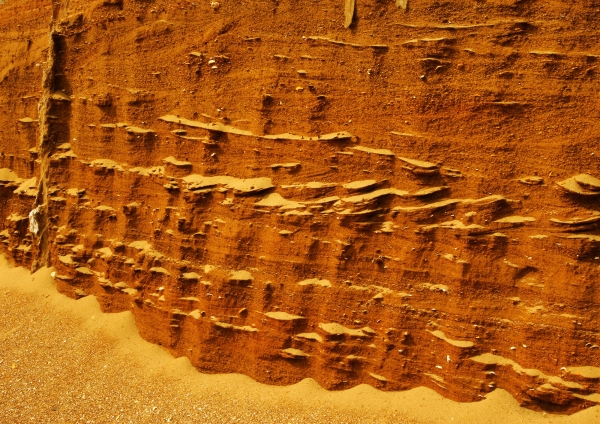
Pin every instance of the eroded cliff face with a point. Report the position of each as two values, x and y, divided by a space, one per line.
384 193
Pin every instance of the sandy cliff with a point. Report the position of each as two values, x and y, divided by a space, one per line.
386 193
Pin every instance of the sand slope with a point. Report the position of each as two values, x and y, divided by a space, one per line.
63 360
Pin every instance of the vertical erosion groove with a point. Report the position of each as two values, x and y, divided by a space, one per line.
40 206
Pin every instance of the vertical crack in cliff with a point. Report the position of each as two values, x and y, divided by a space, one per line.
38 217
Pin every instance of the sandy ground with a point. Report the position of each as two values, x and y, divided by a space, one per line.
63 360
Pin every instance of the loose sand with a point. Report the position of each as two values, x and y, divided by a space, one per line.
63 360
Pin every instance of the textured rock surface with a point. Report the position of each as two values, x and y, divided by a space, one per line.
415 195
